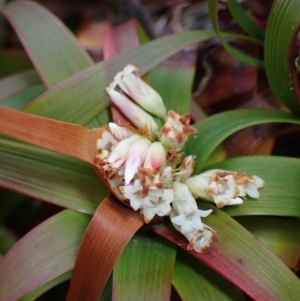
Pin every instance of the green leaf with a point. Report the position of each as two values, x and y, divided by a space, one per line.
283 25
243 19
213 130
53 50
33 295
245 58
281 236
195 281
82 97
173 80
144 270
242 259
280 196
46 252
50 177
14 84
21 99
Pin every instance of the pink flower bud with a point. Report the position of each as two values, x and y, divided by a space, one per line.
156 157
134 113
130 83
135 159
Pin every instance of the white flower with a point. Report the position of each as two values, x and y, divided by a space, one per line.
201 240
186 218
161 207
157 201
131 84
176 130
224 187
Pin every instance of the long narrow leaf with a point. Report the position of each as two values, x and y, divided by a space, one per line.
33 295
47 251
242 259
280 58
17 83
153 261
82 97
195 281
281 236
53 50
109 231
50 177
243 19
21 99
212 131
245 58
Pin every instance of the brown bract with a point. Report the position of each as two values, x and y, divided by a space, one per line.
149 178
177 129
240 178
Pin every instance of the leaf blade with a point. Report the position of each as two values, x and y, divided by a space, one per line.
213 130
53 50
153 260
54 244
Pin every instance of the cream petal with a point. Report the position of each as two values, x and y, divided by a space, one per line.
149 213
163 209
258 182
220 200
235 201
196 221
168 195
251 190
186 227
204 213
241 190
135 202
178 220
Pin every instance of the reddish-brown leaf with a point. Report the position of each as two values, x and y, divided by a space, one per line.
107 235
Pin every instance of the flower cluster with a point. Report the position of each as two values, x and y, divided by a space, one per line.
147 168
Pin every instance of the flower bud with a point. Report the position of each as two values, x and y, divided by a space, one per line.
130 83
134 113
135 158
120 152
186 218
119 132
156 157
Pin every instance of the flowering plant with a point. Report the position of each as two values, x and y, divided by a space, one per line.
153 175
137 185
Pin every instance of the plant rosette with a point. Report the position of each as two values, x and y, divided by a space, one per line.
146 168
